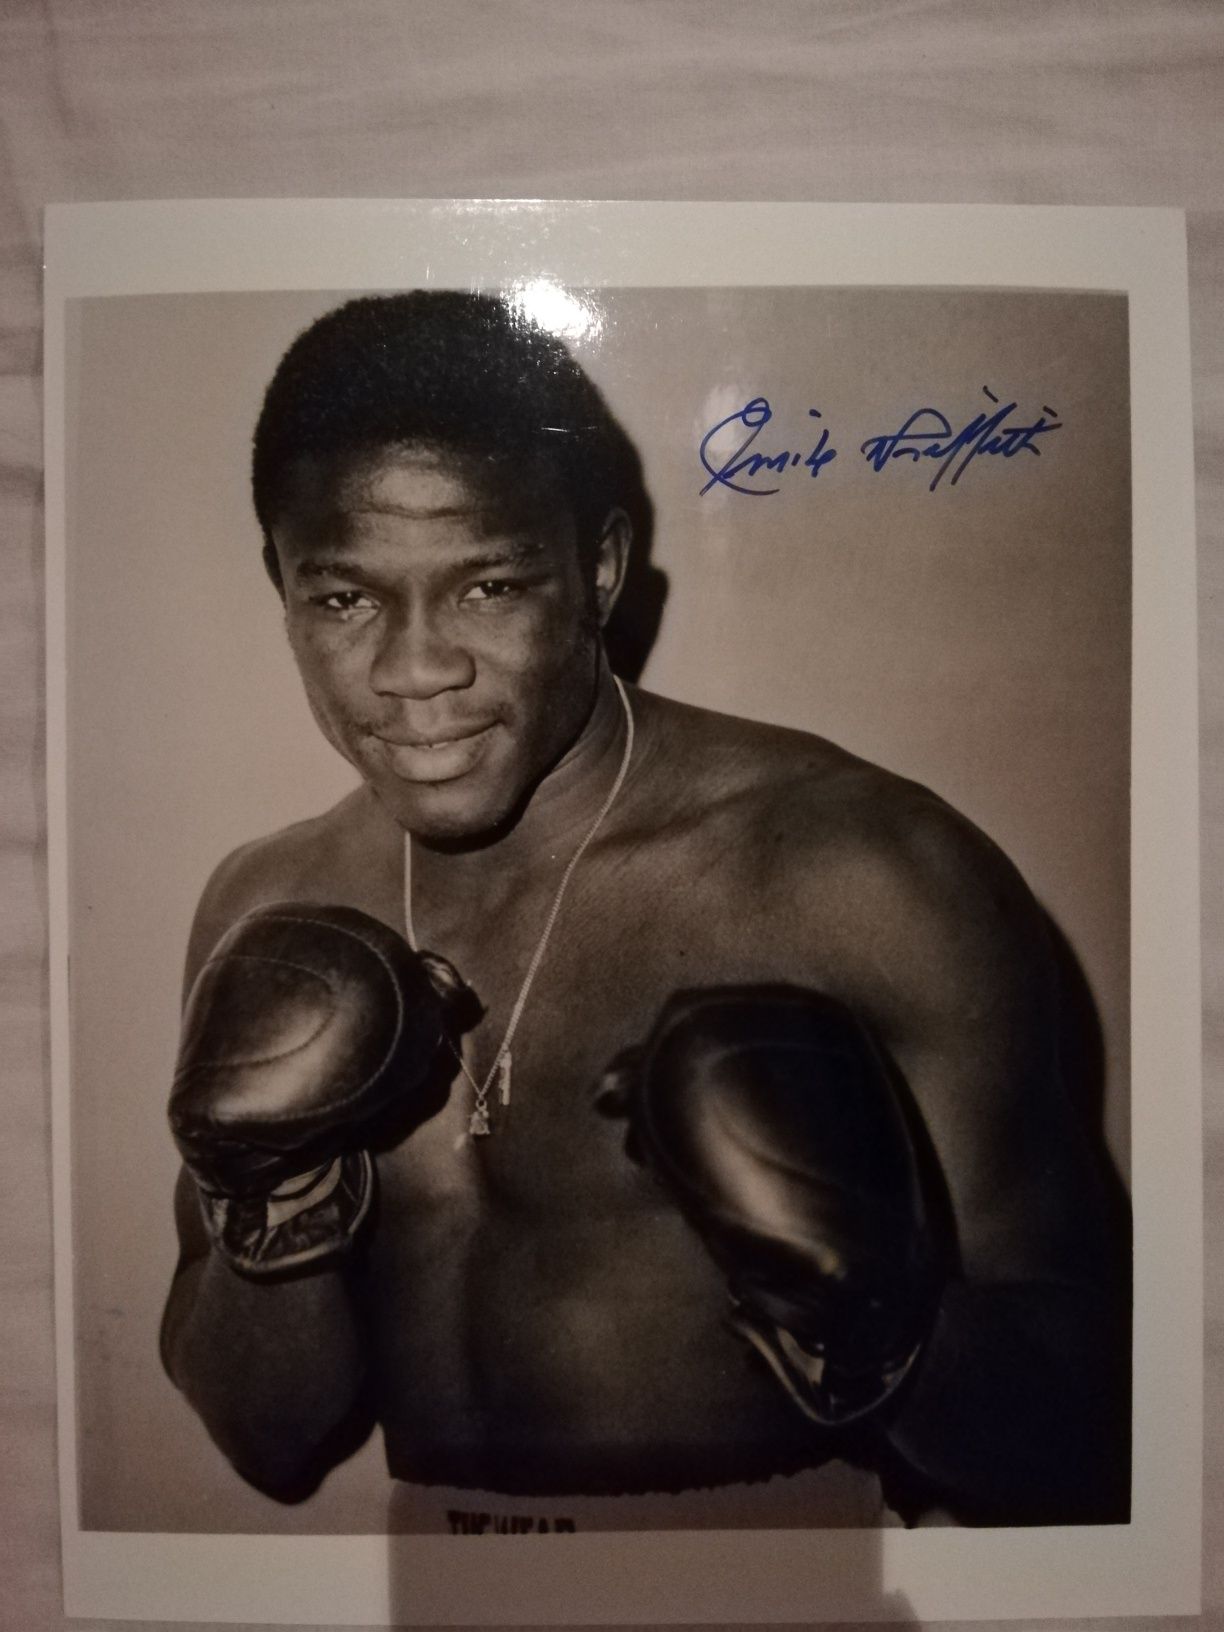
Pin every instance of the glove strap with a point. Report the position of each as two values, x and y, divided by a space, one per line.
311 1219
824 1394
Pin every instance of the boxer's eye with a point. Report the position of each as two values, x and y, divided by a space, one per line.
344 603
493 589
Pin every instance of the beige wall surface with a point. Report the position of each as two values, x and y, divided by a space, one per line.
1061 103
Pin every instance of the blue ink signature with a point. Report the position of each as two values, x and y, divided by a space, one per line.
753 418
927 434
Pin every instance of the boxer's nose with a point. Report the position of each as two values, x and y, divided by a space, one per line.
419 658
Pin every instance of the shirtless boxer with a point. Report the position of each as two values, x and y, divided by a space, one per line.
778 1165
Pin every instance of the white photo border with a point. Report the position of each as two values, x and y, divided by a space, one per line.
1150 1566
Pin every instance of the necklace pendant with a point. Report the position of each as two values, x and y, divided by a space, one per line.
478 1125
500 1072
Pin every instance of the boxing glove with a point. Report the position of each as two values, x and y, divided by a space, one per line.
770 1117
306 1026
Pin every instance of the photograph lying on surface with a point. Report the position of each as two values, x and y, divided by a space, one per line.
609 810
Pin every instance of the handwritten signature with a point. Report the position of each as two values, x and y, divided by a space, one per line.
926 434
753 418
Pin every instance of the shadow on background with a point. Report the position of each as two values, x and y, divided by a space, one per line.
634 625
1081 1050
1081 1053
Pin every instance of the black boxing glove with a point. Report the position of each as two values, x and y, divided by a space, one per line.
306 1025
770 1117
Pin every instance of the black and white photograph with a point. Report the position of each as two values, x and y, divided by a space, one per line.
599 846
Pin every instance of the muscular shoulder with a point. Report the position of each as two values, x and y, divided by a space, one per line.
718 777
926 916
919 921
325 859
894 901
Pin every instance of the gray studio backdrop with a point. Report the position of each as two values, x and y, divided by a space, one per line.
976 638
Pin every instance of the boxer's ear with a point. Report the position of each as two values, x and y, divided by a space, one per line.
272 567
611 562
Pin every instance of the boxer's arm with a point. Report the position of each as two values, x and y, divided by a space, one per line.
275 1369
1018 1405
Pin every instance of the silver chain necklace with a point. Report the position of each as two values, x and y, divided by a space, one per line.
500 1070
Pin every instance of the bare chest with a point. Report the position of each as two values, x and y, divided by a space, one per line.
531 1278
628 937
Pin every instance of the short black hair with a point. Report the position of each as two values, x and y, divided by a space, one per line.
455 372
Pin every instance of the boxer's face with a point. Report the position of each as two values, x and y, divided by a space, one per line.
446 633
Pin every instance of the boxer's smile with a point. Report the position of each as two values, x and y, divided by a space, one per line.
441 758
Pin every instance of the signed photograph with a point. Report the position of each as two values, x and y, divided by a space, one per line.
598 833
